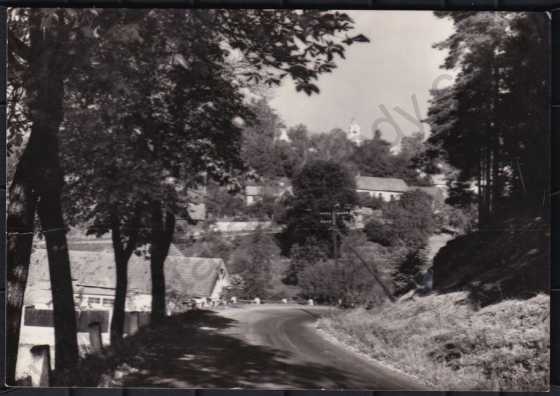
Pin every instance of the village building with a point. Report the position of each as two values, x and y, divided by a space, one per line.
255 193
93 277
385 188
188 280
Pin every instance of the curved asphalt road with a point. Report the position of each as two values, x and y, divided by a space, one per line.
252 347
289 329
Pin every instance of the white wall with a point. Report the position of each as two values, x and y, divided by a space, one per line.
38 335
250 200
219 287
385 195
240 226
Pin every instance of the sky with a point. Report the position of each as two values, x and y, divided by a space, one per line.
377 80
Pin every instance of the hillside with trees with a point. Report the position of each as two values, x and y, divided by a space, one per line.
494 133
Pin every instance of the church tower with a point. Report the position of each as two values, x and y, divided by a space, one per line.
354 133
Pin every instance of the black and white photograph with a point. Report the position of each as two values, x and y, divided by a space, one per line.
278 199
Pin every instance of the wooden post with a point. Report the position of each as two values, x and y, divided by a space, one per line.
40 368
95 340
133 322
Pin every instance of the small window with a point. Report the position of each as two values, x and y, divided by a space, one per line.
108 302
93 300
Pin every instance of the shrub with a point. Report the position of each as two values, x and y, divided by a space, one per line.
235 288
367 201
252 261
351 279
409 272
379 233
412 218
309 253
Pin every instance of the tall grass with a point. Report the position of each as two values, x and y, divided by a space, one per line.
449 344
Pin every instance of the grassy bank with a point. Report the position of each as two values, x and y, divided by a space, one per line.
442 339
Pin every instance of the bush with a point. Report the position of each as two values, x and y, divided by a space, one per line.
409 272
309 253
379 233
235 288
367 201
463 220
221 203
252 261
412 218
347 282
351 280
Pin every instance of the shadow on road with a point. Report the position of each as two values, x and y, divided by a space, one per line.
189 350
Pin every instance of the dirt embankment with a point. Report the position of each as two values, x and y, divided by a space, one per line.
507 260
447 342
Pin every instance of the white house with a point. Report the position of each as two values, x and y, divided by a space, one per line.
276 189
93 277
385 188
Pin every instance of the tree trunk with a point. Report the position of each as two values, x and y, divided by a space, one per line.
162 235
49 186
47 90
117 321
122 256
20 228
38 179
66 343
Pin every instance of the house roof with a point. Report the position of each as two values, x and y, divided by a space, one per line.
380 184
253 190
191 276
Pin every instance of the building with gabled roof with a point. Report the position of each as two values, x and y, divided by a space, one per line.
93 276
385 188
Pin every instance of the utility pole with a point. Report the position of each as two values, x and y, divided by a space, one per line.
335 247
332 221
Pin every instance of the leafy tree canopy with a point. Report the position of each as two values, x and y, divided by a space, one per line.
321 186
